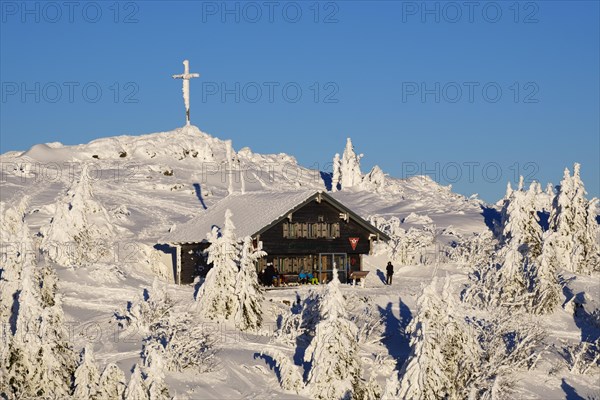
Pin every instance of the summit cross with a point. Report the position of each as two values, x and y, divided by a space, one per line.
186 76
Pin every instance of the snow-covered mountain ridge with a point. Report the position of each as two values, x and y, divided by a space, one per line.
165 178
98 210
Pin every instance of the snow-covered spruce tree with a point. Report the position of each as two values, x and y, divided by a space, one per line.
49 285
520 222
514 282
41 361
249 294
136 388
333 353
87 376
547 293
112 383
392 387
217 298
336 178
14 252
72 239
60 360
507 284
573 221
350 167
155 377
591 237
444 350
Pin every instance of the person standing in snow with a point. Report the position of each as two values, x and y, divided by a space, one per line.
270 274
389 269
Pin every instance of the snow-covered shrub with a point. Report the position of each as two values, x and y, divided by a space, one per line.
333 352
182 343
300 321
510 342
417 219
290 376
406 247
473 251
517 283
154 305
507 284
364 313
582 357
374 181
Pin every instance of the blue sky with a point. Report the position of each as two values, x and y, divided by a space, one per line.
472 95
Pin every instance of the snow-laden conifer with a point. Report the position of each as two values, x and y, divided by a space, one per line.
136 388
337 173
217 298
41 361
155 376
15 250
249 294
112 383
444 349
333 353
520 222
350 174
87 376
80 228
547 290
573 221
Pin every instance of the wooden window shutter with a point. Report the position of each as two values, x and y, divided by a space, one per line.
286 230
336 230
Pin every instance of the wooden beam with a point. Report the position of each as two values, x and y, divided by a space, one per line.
178 261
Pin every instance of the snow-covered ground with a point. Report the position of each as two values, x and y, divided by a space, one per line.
141 187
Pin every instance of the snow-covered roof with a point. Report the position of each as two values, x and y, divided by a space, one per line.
252 213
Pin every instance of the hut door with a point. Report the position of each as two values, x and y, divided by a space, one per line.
326 261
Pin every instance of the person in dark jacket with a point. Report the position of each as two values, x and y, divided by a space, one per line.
270 273
389 269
